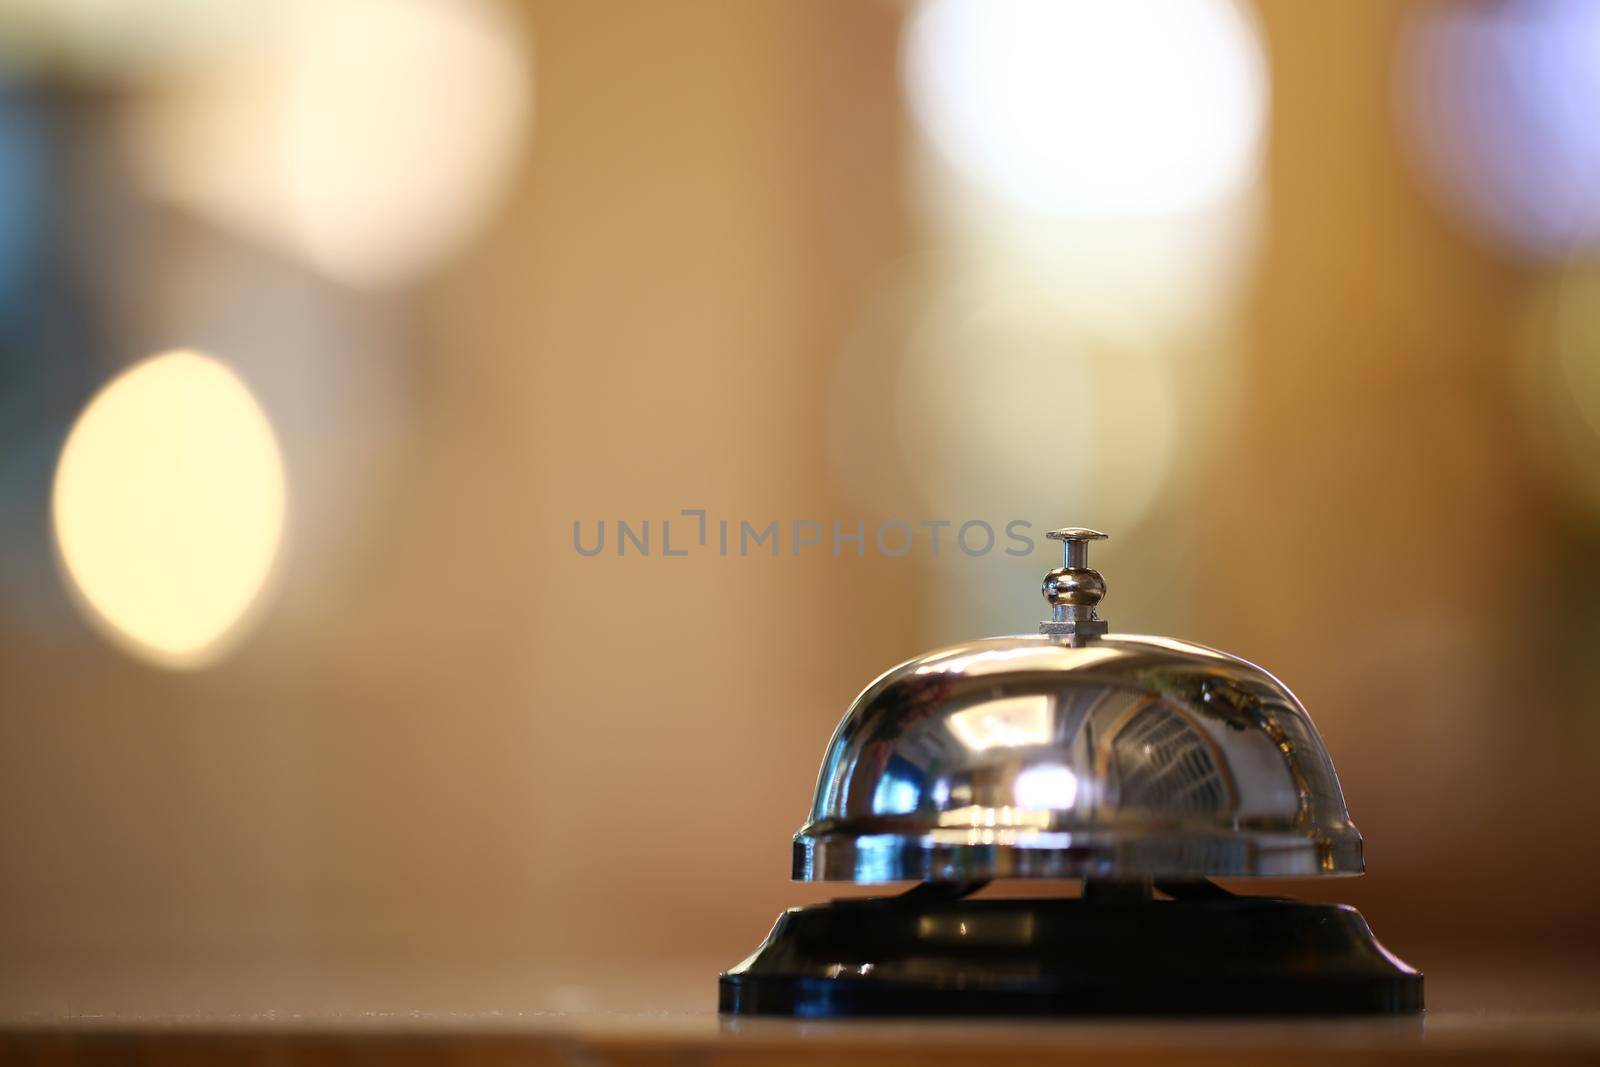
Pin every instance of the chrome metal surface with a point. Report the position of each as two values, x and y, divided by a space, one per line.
1067 755
1073 590
1026 757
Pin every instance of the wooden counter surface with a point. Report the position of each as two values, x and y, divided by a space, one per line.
1490 1009
1443 1038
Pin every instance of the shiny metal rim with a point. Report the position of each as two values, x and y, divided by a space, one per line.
880 858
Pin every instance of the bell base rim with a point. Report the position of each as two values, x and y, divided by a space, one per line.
921 957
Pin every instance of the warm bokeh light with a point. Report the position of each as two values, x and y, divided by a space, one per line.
1094 188
169 506
987 393
1500 101
1090 108
368 137
1560 384
1017 402
402 121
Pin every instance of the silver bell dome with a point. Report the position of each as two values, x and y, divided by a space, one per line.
1075 753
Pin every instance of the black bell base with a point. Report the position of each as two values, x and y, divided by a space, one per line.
921 956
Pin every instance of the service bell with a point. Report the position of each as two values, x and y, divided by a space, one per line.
1138 765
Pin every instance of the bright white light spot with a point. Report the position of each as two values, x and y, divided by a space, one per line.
1088 107
1048 786
169 506
401 119
368 137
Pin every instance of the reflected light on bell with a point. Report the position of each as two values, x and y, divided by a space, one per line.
1501 102
978 815
1010 722
1048 786
1083 107
169 507
895 796
369 138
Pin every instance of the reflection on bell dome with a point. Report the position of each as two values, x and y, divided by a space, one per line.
1014 722
1047 786
1027 757
899 790
1159 760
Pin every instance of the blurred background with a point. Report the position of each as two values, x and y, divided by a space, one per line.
323 321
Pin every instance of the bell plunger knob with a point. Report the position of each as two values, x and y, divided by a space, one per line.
1073 590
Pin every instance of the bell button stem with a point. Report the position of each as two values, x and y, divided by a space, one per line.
1073 590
